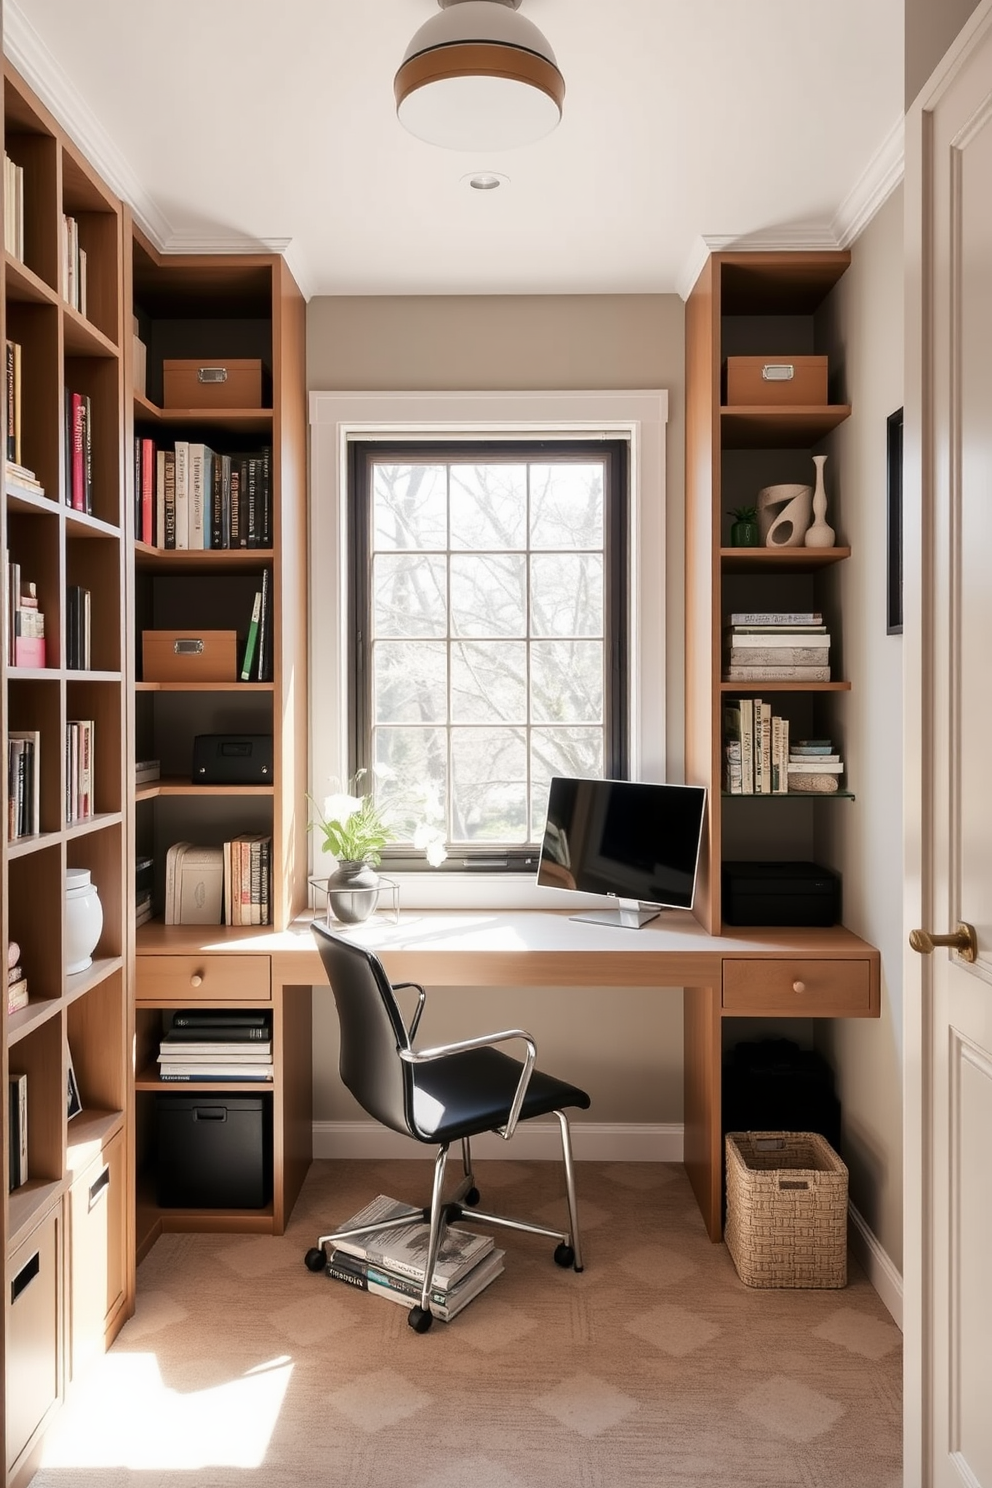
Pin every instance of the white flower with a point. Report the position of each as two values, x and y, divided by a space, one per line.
338 808
430 842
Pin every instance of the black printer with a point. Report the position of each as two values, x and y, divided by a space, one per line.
780 893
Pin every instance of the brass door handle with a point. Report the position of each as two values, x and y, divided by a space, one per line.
963 940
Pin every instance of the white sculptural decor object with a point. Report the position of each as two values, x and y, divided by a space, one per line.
784 514
820 534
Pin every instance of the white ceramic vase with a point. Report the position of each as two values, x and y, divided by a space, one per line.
819 534
83 919
783 515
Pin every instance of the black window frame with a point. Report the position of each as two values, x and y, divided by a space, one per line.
617 562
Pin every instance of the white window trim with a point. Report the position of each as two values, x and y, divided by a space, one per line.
338 418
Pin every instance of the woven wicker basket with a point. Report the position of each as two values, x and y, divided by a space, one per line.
786 1210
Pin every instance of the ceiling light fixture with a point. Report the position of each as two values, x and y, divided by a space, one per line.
479 77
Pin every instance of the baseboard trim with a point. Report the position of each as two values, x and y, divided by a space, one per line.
877 1264
532 1142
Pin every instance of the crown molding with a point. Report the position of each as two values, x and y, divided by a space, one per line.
873 188
42 72
190 240
799 237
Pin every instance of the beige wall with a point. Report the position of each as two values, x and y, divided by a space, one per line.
931 26
864 838
624 1045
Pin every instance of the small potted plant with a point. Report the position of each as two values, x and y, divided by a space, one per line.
354 831
744 530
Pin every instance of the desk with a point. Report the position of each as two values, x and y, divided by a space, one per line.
745 973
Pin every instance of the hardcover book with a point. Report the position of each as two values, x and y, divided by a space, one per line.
404 1250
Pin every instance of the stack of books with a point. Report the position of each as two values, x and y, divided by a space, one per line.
23 783
17 982
13 207
17 1130
390 1263
755 749
814 767
189 496
215 1045
776 646
144 879
79 769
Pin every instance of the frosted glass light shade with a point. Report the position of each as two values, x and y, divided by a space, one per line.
478 76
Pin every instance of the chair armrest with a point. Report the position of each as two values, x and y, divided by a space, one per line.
421 999
486 1041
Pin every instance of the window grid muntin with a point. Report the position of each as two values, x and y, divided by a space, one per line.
612 730
528 551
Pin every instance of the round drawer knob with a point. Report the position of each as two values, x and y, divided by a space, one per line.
196 980
798 986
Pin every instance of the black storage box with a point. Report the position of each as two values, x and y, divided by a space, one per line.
774 1085
780 894
214 1151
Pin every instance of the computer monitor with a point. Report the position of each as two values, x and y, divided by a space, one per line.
634 841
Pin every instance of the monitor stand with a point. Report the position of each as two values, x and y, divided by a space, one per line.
630 915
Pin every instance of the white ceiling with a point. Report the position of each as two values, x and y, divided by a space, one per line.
235 123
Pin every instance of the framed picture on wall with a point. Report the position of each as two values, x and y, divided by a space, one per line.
893 591
73 1103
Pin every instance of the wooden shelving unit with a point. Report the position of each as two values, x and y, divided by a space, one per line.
69 1275
753 304
214 308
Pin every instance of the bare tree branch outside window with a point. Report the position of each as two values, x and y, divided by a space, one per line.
490 635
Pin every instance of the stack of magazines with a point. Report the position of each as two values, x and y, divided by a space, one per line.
216 1045
391 1263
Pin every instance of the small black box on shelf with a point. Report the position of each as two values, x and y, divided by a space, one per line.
780 894
213 1151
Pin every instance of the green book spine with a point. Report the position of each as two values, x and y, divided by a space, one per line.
252 640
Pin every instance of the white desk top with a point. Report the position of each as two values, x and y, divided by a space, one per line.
532 947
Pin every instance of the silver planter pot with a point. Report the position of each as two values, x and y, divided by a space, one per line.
352 892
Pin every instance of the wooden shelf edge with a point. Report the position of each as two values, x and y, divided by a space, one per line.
797 560
769 684
177 787
204 687
28 1020
27 1205
81 982
87 1134
838 795
190 560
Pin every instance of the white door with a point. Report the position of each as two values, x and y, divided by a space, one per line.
949 183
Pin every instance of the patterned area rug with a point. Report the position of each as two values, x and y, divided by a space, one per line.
654 1367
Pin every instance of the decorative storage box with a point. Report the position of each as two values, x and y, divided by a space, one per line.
189 656
776 380
786 1210
214 1151
225 383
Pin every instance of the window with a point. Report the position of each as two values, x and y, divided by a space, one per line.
634 730
488 627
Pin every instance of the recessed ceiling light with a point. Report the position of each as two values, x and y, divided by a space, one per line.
486 180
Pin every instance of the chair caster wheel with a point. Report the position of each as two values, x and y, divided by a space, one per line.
472 1197
315 1260
419 1320
564 1255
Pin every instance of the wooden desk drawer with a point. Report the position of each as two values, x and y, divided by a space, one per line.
183 979
797 988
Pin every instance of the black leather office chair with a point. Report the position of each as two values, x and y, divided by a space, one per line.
438 1096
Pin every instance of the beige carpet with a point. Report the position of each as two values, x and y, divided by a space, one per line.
655 1367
